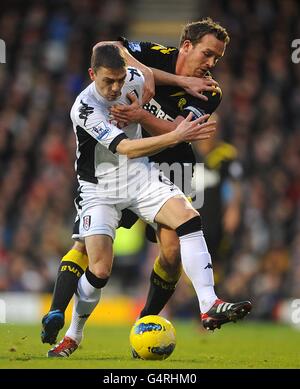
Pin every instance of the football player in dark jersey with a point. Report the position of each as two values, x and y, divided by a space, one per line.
202 45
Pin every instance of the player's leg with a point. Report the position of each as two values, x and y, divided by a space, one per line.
167 266
97 226
179 215
182 217
166 272
162 202
71 268
99 249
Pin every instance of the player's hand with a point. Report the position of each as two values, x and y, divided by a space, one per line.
190 130
195 86
127 113
149 85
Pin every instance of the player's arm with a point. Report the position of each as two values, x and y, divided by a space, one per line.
195 86
186 131
155 126
149 85
87 117
135 113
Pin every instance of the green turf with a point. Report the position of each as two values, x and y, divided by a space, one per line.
245 345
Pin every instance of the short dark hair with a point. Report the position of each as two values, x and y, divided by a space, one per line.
107 56
195 31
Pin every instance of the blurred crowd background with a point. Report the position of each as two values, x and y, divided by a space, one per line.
48 46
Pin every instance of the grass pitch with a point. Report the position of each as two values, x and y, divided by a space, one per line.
242 345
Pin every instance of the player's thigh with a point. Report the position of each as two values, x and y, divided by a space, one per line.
96 214
97 227
98 219
151 197
176 211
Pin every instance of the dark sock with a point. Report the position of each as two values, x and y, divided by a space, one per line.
159 294
65 285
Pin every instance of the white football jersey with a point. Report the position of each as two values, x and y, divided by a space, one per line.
97 137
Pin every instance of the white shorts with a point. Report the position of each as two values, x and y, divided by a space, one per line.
96 214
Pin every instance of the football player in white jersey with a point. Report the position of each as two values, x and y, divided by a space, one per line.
203 44
103 150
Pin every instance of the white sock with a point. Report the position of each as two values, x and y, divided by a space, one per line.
196 262
85 301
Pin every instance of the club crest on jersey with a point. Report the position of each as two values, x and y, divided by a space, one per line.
181 103
134 46
87 222
101 132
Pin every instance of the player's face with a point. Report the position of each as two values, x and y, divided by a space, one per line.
203 56
109 82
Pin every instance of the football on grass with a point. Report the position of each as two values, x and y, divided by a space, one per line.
152 337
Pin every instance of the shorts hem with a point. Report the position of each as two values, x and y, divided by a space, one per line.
81 237
162 203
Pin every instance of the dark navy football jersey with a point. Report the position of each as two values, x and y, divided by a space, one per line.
170 101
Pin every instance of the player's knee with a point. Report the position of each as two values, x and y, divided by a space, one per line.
191 213
194 224
97 279
103 272
100 269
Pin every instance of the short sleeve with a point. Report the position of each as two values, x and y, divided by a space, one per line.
150 54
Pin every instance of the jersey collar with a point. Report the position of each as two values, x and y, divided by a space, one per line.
97 94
